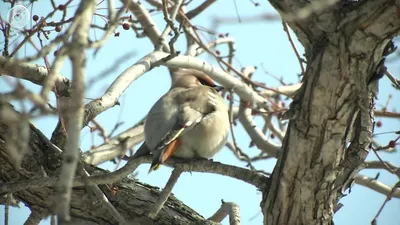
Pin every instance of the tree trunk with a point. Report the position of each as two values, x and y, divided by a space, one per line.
331 124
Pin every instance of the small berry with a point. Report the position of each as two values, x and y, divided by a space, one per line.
125 26
392 144
257 4
35 18
379 124
61 7
272 136
116 34
217 52
55 53
58 28
221 35
227 34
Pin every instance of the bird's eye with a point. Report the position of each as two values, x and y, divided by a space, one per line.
203 82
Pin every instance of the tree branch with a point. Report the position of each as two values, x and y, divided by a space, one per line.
376 185
74 114
34 74
227 208
166 192
208 166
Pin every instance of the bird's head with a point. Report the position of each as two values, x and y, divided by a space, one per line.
193 78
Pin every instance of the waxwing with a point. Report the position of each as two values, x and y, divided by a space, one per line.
189 121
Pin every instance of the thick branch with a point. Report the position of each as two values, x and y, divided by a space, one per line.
75 113
33 73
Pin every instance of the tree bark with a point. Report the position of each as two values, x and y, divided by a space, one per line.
331 124
132 199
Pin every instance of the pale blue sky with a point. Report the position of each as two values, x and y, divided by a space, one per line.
262 43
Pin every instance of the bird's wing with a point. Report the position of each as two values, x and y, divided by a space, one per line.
190 107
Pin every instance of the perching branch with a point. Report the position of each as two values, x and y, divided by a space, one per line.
206 166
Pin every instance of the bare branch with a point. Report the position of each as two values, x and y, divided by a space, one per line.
111 26
376 185
383 165
116 146
196 51
387 114
227 208
196 11
146 21
288 90
286 29
166 192
256 135
170 26
395 81
33 73
75 115
388 197
100 195
207 166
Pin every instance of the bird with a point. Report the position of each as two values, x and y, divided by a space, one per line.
190 121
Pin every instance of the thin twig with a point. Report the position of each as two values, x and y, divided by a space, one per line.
388 197
102 130
395 81
387 167
285 28
170 26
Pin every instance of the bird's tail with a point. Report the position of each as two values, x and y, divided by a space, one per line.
142 151
164 154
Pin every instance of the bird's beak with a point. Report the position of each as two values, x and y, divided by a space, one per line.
218 88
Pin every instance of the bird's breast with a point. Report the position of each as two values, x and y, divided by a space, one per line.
207 138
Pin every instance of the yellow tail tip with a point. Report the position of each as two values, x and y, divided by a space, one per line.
154 167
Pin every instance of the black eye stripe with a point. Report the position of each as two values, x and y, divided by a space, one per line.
203 82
